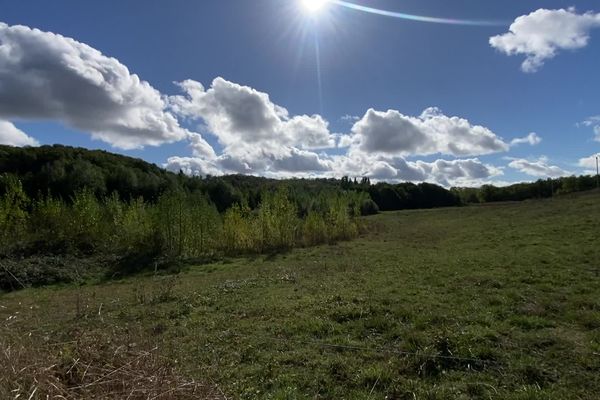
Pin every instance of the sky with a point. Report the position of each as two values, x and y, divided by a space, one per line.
476 92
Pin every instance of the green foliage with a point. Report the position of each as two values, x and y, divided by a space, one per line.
13 213
130 223
50 227
542 188
205 226
401 196
314 230
340 223
178 226
188 225
85 222
237 234
62 201
277 221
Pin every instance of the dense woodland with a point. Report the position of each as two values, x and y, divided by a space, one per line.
61 202
542 188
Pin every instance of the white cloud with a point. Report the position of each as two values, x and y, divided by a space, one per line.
543 33
345 141
464 172
594 122
260 137
239 115
48 76
589 163
532 139
292 161
394 133
460 172
538 168
591 121
257 135
200 147
193 166
13 136
310 132
301 161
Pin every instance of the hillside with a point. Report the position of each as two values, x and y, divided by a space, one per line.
494 302
63 171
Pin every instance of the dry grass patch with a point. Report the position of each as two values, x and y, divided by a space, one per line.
92 366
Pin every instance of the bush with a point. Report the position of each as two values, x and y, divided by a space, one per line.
179 226
369 207
314 230
277 222
86 234
13 214
237 235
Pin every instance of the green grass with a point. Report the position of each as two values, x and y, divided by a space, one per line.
484 302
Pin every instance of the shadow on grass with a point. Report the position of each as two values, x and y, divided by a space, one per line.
153 262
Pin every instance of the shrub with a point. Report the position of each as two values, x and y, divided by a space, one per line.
13 214
84 228
237 234
314 229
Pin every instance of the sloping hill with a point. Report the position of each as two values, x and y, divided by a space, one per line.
487 302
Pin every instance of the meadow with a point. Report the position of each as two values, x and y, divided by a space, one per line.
492 301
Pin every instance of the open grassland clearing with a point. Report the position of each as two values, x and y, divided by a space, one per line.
497 301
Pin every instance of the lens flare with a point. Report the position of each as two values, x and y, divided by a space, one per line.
419 18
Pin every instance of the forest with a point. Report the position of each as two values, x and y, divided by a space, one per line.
60 205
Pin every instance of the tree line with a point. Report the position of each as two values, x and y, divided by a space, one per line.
542 188
62 171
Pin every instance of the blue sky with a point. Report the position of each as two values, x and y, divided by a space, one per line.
365 61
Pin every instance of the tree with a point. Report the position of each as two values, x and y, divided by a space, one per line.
13 214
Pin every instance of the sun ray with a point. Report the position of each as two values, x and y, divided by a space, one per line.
418 18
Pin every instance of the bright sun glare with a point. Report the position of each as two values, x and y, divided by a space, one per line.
314 6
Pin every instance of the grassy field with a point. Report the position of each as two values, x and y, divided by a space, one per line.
484 302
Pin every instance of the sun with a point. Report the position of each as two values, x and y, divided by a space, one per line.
314 6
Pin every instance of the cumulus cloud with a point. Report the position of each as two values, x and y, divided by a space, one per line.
193 166
538 168
261 137
542 34
239 115
200 147
13 136
301 161
391 132
589 163
532 139
292 161
257 135
459 172
48 76
468 172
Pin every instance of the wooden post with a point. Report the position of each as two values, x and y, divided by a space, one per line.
597 175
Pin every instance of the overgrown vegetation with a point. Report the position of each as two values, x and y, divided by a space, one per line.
178 226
